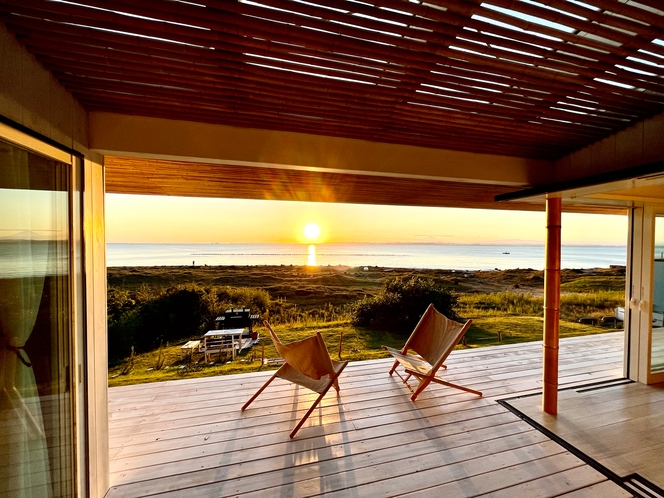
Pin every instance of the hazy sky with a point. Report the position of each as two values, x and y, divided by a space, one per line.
137 218
41 212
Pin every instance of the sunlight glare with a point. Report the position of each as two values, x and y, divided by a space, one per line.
311 231
311 260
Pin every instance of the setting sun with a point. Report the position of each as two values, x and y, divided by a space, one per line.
311 231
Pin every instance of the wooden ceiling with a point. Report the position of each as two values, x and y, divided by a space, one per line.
126 175
516 77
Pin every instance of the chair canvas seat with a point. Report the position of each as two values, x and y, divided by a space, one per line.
290 374
433 339
307 364
410 362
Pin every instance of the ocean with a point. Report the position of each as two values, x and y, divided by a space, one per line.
433 256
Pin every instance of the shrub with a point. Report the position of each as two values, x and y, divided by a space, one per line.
146 317
178 313
401 303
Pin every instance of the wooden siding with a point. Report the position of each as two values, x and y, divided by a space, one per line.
128 175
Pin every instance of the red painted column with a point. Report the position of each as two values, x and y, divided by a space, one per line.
551 305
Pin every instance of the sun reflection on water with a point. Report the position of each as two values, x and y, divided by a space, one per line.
311 259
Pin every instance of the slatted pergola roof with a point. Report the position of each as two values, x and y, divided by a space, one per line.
515 77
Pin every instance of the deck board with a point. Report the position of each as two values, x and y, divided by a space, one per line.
189 438
619 426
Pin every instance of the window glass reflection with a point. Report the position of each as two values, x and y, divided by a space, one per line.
35 405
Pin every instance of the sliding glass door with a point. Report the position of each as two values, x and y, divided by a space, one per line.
657 332
37 404
646 295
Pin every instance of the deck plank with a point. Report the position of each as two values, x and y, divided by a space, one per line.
188 437
605 489
619 426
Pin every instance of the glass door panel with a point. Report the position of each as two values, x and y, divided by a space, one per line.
36 416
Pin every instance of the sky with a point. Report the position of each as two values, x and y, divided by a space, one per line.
39 213
157 219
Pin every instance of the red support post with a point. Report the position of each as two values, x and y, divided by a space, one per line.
551 305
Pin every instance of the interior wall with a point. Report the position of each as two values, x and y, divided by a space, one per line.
642 143
32 97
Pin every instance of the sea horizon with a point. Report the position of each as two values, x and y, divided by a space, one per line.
516 242
418 255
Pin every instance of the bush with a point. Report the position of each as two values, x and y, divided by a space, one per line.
145 318
179 313
401 303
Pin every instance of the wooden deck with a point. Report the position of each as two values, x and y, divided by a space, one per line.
619 426
189 438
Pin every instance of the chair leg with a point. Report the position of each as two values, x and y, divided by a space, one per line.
394 367
456 386
424 382
313 407
244 407
306 416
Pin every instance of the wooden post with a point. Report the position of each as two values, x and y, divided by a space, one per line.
551 305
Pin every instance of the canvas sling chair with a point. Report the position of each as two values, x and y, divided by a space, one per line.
433 340
308 364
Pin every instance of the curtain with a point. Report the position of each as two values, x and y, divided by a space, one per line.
24 458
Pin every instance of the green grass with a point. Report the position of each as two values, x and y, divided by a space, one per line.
358 344
517 329
573 305
595 283
502 303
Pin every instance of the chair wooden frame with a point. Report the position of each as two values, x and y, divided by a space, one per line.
424 370
292 370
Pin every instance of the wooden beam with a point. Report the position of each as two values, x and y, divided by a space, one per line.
131 175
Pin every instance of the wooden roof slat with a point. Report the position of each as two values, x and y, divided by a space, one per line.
469 77
86 84
525 115
547 84
458 76
136 23
509 39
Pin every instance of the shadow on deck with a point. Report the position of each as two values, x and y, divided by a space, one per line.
189 438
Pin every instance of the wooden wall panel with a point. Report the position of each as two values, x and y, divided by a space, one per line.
125 175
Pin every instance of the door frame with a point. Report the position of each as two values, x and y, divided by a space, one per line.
75 426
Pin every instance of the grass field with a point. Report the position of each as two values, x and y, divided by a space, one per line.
506 308
358 344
